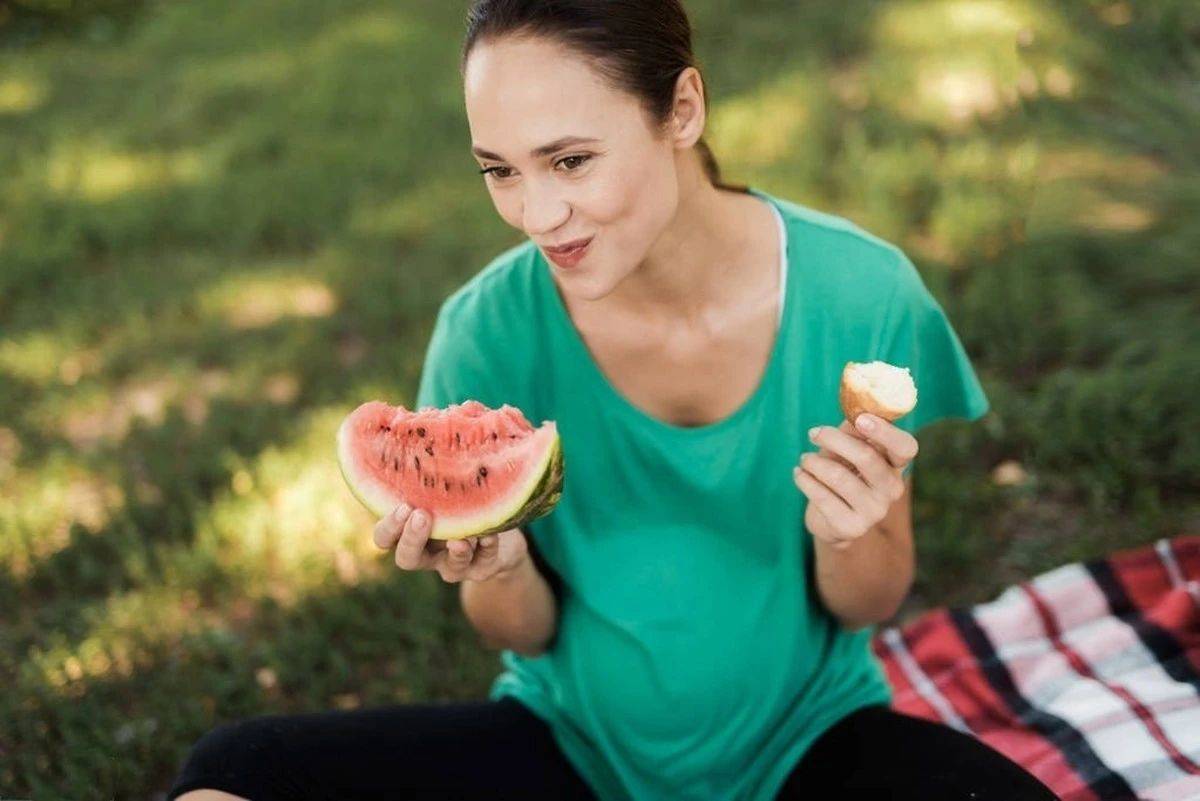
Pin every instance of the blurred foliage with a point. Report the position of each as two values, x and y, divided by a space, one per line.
226 226
28 22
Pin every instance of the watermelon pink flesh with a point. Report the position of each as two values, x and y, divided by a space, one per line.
476 469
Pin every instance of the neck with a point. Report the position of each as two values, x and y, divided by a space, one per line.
700 254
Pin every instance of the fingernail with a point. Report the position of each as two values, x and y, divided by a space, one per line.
812 432
865 423
419 519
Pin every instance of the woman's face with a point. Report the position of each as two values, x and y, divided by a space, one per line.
619 188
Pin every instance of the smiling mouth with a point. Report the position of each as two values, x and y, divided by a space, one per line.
569 247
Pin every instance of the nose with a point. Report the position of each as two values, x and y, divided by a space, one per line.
543 208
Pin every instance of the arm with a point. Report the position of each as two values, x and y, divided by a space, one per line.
865 583
513 609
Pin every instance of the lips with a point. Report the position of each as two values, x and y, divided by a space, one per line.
568 247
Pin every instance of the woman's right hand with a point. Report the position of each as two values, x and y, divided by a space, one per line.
474 558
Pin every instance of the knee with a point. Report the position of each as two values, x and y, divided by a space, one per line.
235 751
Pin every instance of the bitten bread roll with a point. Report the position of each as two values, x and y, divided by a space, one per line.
878 388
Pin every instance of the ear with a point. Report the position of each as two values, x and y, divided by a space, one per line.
688 114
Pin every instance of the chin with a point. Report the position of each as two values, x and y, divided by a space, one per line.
586 288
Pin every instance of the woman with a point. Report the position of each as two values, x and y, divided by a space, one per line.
692 621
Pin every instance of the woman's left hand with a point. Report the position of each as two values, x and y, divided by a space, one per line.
854 479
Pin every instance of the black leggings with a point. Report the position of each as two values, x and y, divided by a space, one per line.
500 750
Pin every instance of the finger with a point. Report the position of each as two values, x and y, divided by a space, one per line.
459 552
487 557
410 551
827 502
818 494
899 446
457 559
487 550
849 487
866 460
388 529
839 459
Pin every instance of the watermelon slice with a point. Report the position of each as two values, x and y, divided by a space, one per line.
477 470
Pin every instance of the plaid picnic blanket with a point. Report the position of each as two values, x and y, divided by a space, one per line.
1088 675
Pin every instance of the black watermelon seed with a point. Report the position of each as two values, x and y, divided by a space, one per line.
417 459
447 484
483 471
429 449
395 464
479 481
420 432
457 440
493 435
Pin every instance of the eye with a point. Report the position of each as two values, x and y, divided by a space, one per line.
496 172
576 161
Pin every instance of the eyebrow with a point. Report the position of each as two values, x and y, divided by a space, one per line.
537 152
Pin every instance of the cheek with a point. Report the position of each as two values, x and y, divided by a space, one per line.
632 203
508 205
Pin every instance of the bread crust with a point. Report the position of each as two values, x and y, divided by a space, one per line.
855 401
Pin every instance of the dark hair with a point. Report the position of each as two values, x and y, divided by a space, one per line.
639 46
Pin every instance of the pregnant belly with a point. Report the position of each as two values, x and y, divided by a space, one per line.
678 686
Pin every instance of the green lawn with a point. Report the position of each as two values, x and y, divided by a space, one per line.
224 224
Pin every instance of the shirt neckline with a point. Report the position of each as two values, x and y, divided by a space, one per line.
624 405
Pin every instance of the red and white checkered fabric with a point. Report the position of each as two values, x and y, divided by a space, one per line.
1088 675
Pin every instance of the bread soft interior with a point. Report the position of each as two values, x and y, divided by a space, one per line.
891 386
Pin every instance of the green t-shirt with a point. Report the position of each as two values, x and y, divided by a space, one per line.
693 657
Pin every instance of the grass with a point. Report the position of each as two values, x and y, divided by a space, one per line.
223 226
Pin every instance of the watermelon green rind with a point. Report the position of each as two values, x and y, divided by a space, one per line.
544 490
543 500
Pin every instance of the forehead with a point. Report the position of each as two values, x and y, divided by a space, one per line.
523 92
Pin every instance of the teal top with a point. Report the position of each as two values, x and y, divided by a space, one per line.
693 657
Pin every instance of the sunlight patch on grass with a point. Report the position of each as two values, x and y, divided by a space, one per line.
951 62
1059 81
10 449
105 414
37 357
937 24
122 629
1115 216
958 92
1095 189
96 414
99 174
38 508
257 300
1090 163
1116 14
288 524
21 95
287 527
761 127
